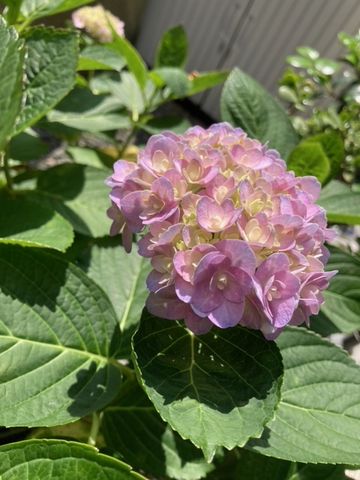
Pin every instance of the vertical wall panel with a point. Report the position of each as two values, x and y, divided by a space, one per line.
255 35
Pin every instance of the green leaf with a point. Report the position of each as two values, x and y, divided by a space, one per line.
327 66
134 61
58 334
245 104
135 430
50 69
129 94
318 417
342 205
100 57
309 159
79 194
43 8
205 80
333 146
83 110
172 49
308 52
123 278
215 390
175 79
11 73
55 459
319 155
342 298
159 124
28 223
27 147
300 62
85 156
91 122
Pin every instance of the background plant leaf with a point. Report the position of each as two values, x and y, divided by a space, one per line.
79 194
309 159
100 57
204 80
333 147
245 104
342 205
172 49
28 223
342 298
135 63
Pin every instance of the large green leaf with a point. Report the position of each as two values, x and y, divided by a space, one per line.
11 73
123 277
100 57
28 223
172 49
133 428
309 158
79 194
318 417
58 335
58 459
43 8
218 389
342 298
50 69
342 205
245 104
135 63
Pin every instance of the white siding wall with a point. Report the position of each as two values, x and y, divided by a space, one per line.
255 35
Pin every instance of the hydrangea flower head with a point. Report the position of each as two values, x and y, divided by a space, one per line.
95 21
232 236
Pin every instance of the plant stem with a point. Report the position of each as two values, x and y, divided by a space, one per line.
127 140
25 24
95 427
4 161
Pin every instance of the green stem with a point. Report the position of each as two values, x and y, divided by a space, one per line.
95 428
4 161
25 24
127 140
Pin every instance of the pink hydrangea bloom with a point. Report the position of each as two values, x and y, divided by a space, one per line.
232 236
97 22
